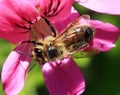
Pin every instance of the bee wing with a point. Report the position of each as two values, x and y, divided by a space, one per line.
67 33
82 54
76 22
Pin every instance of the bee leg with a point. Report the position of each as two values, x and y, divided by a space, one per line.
31 67
51 26
59 62
30 55
24 53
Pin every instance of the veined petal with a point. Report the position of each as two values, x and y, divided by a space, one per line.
105 36
55 10
15 19
103 6
100 45
63 78
15 37
14 69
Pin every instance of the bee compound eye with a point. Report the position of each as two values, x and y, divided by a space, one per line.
38 52
88 34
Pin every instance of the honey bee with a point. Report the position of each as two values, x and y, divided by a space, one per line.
55 47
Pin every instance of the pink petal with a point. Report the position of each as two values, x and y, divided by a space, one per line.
15 19
105 36
15 37
35 2
55 9
14 69
59 24
63 79
103 6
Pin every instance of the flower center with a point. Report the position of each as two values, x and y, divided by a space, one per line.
53 8
41 29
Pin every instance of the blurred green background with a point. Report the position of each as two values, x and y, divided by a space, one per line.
101 72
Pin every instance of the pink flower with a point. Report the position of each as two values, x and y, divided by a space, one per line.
102 6
18 23
15 69
16 26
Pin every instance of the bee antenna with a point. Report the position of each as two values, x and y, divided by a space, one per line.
33 42
51 26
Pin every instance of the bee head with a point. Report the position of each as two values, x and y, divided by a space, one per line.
53 52
39 55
